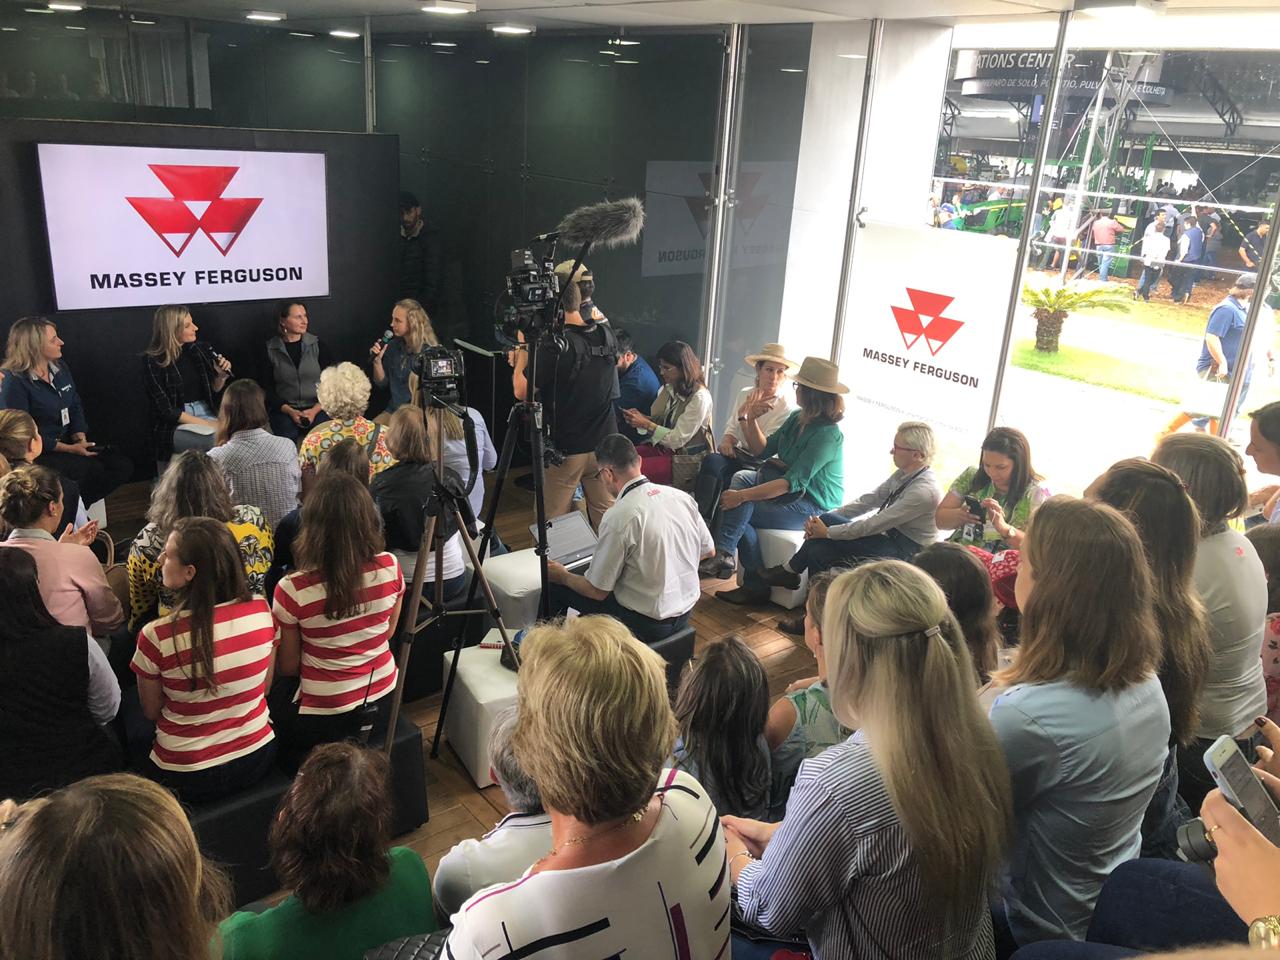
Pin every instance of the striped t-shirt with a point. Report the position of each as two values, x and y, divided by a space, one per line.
343 660
200 725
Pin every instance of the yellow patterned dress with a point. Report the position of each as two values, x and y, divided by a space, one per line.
325 436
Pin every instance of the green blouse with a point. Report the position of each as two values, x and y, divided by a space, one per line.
1035 494
813 458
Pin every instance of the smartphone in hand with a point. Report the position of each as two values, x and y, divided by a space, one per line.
1241 786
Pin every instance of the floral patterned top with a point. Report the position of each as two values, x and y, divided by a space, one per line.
985 534
323 437
146 589
1271 664
815 730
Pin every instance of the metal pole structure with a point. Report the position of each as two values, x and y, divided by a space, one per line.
370 103
854 222
1267 266
728 131
1081 185
1056 69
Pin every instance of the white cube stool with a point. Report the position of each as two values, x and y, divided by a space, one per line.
517 586
484 689
778 546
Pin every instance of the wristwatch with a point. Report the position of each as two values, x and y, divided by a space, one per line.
1264 933
743 419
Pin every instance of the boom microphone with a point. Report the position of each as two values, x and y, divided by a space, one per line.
387 337
603 225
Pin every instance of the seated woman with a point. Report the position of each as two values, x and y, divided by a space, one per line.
182 375
329 846
261 469
720 713
401 493
336 613
192 487
291 368
801 477
965 582
40 383
203 670
1007 489
455 452
1232 585
902 523
344 394
1083 722
57 689
392 361
866 857
72 582
163 901
594 729
680 419
20 443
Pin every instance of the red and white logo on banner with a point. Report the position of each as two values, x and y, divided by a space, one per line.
195 204
911 322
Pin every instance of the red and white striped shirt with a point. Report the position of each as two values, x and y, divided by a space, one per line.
200 726
343 659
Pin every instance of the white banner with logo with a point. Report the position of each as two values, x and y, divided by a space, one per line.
140 226
678 215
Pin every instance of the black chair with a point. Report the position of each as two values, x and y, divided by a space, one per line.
423 946
676 649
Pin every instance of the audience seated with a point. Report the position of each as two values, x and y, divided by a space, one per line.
720 715
1155 501
392 362
1007 487
72 582
344 393
192 487
20 443
891 839
967 586
329 847
679 421
291 365
902 523
519 839
57 693
203 671
1264 448
1266 540
105 869
644 570
627 861
802 476
1083 721
336 615
401 493
262 470
40 383
1233 588
638 385
182 375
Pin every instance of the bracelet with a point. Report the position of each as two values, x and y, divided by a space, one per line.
740 853
744 419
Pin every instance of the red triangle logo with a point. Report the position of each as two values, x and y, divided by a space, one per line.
222 220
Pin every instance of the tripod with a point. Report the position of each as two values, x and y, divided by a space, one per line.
444 515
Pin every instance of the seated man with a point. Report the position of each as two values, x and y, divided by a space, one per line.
519 840
902 523
638 385
645 568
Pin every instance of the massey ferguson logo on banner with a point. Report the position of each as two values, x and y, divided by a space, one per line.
141 226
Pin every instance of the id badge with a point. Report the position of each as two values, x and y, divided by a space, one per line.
66 416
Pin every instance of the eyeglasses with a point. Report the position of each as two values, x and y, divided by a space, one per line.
898 449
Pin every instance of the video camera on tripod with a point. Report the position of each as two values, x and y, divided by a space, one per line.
440 373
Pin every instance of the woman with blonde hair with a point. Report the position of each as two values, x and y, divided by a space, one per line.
344 394
1083 720
182 375
103 869
892 839
20 443
393 360
636 849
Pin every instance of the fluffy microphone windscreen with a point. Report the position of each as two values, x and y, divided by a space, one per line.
613 224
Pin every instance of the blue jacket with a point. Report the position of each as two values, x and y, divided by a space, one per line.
637 389
55 407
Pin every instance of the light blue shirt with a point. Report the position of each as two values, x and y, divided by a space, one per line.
1084 765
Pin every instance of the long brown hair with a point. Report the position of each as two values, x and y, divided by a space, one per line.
678 354
1266 540
967 586
1168 524
208 546
17 430
1011 443
818 406
244 407
192 486
1089 620
341 533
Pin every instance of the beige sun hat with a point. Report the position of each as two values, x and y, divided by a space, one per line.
821 375
582 273
772 353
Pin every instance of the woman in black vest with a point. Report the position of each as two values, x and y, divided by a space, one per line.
56 691
291 370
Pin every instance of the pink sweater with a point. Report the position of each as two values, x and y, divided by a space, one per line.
72 583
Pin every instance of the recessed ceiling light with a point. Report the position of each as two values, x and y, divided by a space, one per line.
790 70
625 43
399 44
142 23
610 53
511 29
299 33
36 10
575 60
443 43
852 56
70 27
626 61
66 7
345 34
1121 9
450 7
445 53
266 16
482 61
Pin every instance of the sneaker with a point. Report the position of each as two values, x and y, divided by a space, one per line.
793 626
780 576
721 566
745 596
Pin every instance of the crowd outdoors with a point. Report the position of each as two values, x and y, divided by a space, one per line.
1006 730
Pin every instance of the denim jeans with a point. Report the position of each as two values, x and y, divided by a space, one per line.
1104 259
1165 813
738 526
1147 282
817 556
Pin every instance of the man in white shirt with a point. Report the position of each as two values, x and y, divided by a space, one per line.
645 568
1155 250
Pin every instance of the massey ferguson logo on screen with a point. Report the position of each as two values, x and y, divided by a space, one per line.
195 204
923 320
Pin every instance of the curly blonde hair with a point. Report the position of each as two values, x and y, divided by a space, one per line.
343 391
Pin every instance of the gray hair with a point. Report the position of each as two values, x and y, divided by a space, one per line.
517 786
918 435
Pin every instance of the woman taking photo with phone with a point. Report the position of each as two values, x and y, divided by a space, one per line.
989 505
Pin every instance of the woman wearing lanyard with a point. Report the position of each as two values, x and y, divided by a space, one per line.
680 419
902 523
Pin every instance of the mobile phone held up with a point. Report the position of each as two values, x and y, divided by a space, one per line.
1241 786
974 507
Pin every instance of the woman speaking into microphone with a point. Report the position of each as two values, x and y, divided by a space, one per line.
392 360
182 376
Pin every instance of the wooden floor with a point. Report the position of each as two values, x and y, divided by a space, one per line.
458 810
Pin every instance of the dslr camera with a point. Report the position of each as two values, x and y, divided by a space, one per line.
440 375
531 285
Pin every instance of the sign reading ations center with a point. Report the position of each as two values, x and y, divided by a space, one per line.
142 226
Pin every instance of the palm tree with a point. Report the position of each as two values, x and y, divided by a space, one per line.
1052 305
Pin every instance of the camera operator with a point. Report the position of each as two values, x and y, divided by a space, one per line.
576 385
586 284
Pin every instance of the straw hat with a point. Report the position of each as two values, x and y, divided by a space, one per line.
821 375
772 353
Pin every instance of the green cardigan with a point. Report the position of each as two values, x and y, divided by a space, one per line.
813 458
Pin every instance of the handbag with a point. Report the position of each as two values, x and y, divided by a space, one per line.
686 466
775 469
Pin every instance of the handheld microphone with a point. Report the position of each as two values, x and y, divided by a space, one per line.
612 224
387 337
219 358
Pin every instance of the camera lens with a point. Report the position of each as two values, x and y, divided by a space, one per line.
1194 843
